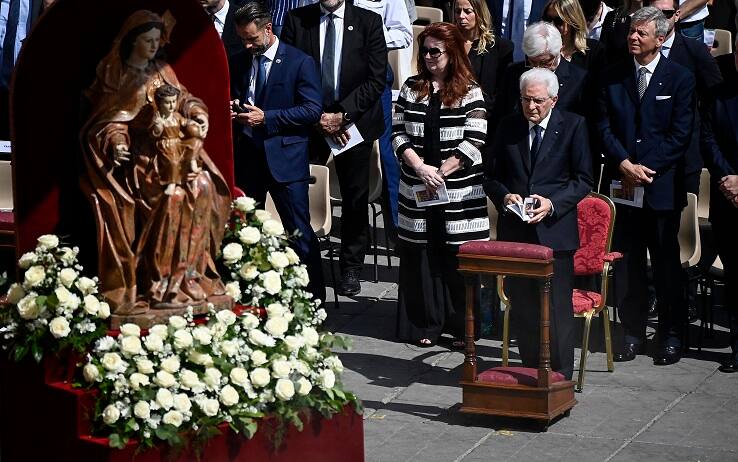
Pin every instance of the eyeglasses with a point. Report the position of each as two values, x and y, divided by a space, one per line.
536 101
555 20
669 13
433 52
547 62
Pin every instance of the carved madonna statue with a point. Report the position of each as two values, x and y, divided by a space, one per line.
160 203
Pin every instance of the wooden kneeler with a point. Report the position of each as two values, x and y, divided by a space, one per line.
540 394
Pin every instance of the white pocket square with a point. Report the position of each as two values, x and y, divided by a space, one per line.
662 97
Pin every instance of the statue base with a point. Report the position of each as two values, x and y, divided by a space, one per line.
160 313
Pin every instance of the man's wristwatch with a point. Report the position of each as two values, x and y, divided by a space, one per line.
346 117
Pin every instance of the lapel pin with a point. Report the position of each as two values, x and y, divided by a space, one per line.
660 83
278 61
350 27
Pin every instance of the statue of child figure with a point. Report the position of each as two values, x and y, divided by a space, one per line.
178 140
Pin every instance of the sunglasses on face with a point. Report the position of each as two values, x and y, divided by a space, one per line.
556 21
432 52
669 13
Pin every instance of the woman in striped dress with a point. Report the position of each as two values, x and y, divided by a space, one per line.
438 130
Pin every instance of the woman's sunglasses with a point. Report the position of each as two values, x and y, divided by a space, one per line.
433 52
556 21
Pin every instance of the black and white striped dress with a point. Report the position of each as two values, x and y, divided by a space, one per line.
461 130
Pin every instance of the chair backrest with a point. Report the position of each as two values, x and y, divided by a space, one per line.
596 219
429 14
6 186
375 173
689 233
492 214
335 190
416 46
393 59
703 200
321 219
724 41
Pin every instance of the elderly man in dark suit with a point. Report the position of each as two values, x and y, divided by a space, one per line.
349 44
646 107
541 153
276 99
720 141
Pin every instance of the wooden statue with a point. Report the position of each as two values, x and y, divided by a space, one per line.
160 203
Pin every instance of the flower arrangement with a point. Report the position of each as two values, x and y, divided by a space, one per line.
55 307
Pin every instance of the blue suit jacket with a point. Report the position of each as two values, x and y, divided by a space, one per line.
291 102
495 7
654 132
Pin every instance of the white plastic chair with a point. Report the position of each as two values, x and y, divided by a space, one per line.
724 41
429 13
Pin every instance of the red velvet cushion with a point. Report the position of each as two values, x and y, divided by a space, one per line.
516 375
507 249
593 217
6 221
584 300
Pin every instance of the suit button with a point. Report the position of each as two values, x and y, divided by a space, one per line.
638 140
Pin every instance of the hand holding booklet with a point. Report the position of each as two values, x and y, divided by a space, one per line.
626 196
424 197
523 209
354 139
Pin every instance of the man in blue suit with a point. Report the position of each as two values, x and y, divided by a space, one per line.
720 145
276 99
510 20
646 115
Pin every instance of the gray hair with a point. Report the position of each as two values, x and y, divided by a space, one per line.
540 75
648 14
540 38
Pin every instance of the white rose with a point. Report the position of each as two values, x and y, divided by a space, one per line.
15 293
310 335
67 256
178 322
28 308
130 346
244 204
239 376
170 364
212 377
229 347
59 327
202 335
310 353
144 366
228 396
154 343
249 235
138 380
203 359
92 305
190 379
182 339
259 377
86 285
104 310
130 330
34 276
301 276
302 367
182 402
248 272
90 372
327 379
164 398
159 330
303 386
66 298
209 406
232 252
233 290
249 321
226 317
67 277
258 357
142 410
112 361
258 337
334 363
278 260
173 418
111 414
281 369
48 241
276 310
293 342
272 228
164 379
27 259
276 326
272 282
292 256
262 215
284 389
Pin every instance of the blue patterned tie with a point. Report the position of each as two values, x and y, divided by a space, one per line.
536 145
9 43
260 78
328 62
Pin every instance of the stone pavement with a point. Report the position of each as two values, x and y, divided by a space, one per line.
684 412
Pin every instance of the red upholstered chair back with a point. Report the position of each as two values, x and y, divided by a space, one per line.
596 217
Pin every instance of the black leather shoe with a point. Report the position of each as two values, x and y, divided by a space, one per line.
730 365
349 284
667 354
630 350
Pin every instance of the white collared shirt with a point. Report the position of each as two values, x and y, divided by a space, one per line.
338 25
507 13
269 54
20 33
219 18
667 45
595 30
543 124
397 30
651 67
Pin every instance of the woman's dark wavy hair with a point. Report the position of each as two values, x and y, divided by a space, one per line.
459 74
126 45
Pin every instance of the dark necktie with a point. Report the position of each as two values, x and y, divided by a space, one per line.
327 65
536 144
642 84
260 78
9 43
